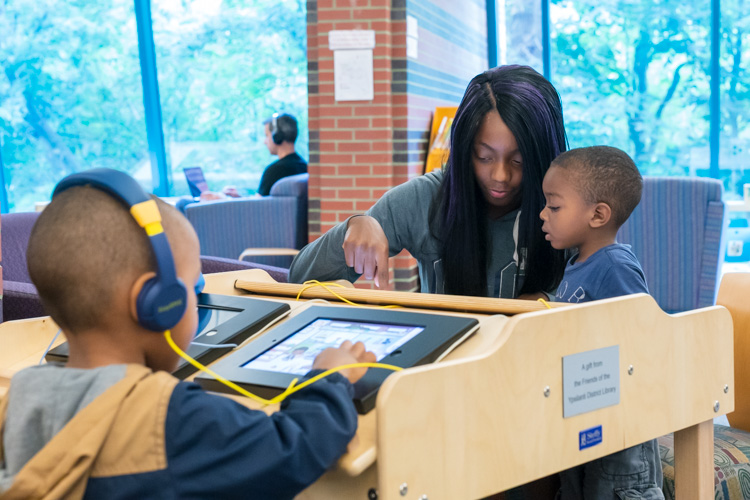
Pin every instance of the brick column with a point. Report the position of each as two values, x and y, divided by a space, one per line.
359 150
352 142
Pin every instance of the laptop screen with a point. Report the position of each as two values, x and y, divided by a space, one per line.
195 180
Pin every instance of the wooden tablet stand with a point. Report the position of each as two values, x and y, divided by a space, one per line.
490 417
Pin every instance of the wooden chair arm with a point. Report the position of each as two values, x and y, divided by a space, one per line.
264 252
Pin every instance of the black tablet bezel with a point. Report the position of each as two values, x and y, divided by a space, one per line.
252 315
440 333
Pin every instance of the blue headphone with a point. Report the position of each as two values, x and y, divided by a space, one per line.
162 301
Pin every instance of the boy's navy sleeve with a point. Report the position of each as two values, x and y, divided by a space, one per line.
622 279
217 448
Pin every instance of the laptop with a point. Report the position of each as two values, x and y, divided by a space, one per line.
196 181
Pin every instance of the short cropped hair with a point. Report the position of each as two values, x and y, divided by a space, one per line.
604 174
84 249
286 125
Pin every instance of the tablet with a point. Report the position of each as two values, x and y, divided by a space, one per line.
268 364
223 320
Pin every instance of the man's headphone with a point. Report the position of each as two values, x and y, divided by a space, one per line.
276 134
162 301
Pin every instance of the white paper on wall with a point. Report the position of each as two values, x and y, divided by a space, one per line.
353 75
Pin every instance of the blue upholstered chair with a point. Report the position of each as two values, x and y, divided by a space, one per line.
677 234
20 297
228 227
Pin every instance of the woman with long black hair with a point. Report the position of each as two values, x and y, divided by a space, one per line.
473 227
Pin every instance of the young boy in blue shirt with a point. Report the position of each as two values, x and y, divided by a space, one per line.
113 423
590 193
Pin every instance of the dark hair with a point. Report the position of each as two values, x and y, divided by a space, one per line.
286 126
604 174
531 108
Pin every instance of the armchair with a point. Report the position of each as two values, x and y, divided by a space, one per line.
677 234
20 297
271 226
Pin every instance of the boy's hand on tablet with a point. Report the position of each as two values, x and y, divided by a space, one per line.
366 249
347 353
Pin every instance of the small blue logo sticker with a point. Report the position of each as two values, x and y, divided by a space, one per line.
589 437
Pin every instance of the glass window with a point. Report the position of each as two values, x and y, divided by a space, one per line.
635 75
70 93
223 68
520 33
734 150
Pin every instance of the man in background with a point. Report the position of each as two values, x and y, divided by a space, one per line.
281 134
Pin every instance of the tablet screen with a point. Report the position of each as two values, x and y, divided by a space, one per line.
295 355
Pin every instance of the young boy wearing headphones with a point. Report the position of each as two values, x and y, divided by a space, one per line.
113 423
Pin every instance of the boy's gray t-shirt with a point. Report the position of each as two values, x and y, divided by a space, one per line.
41 401
403 213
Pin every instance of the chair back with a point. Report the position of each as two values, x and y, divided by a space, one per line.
677 234
227 227
295 186
16 231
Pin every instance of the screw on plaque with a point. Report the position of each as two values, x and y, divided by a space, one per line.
403 489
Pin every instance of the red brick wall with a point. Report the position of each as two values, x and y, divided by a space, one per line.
359 150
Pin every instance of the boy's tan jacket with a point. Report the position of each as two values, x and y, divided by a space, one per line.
120 432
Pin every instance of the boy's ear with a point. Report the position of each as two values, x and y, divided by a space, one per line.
135 290
601 215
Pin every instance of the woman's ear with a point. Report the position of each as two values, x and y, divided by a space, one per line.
601 216
135 290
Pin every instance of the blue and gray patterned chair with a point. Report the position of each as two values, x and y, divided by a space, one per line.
226 228
20 297
677 234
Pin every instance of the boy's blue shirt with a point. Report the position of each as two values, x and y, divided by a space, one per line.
609 272
217 448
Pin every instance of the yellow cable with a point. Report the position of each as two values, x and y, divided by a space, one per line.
544 302
289 390
314 283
